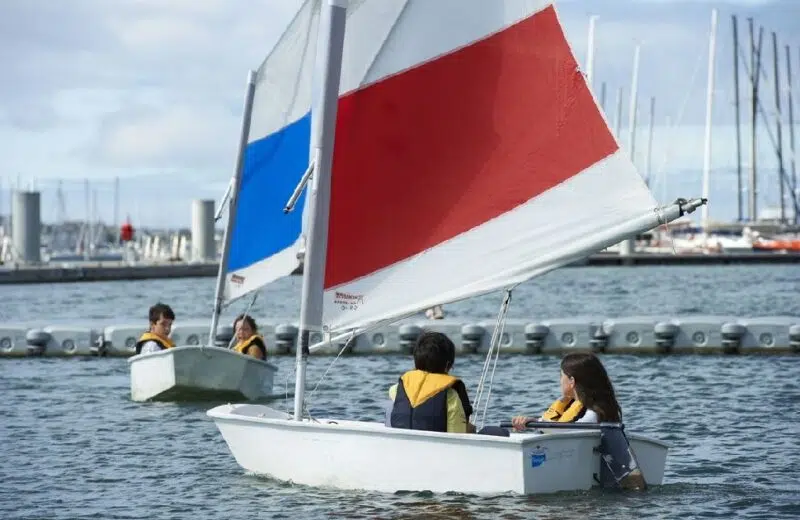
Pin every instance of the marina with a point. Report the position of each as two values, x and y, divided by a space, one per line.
104 271
111 271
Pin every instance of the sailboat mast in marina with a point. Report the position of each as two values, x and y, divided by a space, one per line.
233 199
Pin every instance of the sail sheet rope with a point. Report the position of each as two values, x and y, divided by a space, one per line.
660 174
344 348
330 365
211 341
483 384
494 348
670 149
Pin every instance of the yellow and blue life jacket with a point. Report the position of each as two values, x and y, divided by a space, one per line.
420 402
162 342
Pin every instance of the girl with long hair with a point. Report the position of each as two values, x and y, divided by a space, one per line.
587 394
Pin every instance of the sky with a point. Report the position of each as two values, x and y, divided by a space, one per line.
150 91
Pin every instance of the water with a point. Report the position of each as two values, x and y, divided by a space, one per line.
75 446
612 291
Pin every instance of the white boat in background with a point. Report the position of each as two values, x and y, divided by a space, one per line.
196 373
720 243
445 164
255 252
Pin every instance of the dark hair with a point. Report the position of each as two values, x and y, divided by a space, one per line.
592 385
247 319
161 310
434 352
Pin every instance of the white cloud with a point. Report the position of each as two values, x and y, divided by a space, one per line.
154 83
177 138
157 34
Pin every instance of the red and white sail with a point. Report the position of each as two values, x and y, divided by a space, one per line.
469 155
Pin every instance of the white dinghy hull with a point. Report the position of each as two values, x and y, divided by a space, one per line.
370 456
195 372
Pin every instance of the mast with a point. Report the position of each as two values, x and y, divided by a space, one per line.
603 96
633 104
791 128
709 111
331 43
95 218
755 74
590 51
778 117
738 119
648 159
232 205
618 122
87 230
628 245
116 209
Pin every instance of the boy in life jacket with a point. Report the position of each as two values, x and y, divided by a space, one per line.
428 398
157 336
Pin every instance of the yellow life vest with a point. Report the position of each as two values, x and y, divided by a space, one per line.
422 401
162 342
560 411
255 340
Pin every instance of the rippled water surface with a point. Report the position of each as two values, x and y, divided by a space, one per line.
613 291
75 446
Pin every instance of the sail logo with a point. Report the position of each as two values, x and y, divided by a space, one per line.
538 457
348 301
237 279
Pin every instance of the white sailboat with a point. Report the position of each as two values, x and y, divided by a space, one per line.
193 372
260 245
456 150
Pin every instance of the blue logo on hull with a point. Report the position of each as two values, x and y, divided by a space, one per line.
538 457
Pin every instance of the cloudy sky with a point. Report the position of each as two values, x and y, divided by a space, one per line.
151 91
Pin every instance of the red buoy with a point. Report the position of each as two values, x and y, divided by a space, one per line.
126 232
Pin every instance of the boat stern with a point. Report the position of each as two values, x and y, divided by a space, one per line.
559 461
651 455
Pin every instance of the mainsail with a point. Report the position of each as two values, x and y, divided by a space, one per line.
470 154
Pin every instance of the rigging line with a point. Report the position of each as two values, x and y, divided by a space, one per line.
352 335
245 314
494 343
484 370
500 328
681 110
311 394
233 337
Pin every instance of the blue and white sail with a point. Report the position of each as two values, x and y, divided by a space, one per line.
265 242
